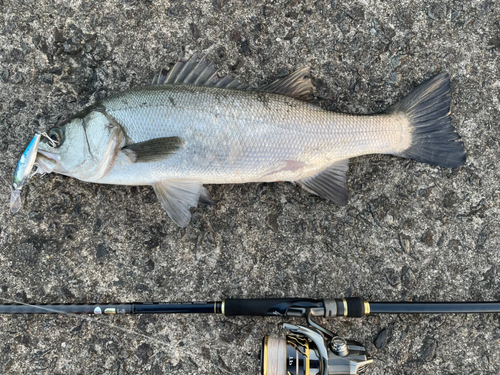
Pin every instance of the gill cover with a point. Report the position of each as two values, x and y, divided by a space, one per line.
84 148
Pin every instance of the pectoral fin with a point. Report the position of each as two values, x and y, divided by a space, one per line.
178 196
153 150
330 183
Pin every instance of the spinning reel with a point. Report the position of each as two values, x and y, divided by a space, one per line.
312 351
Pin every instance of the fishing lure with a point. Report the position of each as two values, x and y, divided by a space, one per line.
23 172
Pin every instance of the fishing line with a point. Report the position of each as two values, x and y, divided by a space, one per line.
88 318
125 330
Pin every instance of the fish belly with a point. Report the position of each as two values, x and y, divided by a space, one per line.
233 136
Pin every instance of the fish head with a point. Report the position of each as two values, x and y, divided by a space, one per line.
79 147
66 151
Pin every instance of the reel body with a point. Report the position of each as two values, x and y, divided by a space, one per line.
308 352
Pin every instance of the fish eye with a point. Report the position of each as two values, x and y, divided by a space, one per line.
56 135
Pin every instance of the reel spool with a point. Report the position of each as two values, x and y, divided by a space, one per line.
307 352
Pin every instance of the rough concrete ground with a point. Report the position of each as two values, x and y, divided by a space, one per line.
410 231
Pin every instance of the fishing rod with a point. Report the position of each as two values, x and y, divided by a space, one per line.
308 350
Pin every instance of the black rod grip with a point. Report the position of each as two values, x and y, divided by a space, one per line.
266 306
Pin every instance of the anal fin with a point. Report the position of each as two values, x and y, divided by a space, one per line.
330 183
178 196
153 150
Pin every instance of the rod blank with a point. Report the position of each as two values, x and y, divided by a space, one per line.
434 307
108 309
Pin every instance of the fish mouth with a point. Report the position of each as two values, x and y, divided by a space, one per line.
47 161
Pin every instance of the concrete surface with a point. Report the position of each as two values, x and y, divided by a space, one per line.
410 231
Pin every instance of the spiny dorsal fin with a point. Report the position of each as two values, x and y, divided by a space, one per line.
330 183
297 85
199 73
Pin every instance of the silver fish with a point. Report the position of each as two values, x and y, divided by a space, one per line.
191 128
23 172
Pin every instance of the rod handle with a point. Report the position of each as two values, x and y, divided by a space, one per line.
266 306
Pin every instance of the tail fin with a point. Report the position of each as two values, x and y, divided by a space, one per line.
434 139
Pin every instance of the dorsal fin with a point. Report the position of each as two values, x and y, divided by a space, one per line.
297 85
199 73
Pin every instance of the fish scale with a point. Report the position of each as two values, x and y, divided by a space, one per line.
216 126
176 136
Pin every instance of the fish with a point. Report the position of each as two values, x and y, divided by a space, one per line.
23 172
191 127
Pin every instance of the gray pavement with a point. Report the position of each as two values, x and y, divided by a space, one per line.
410 231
